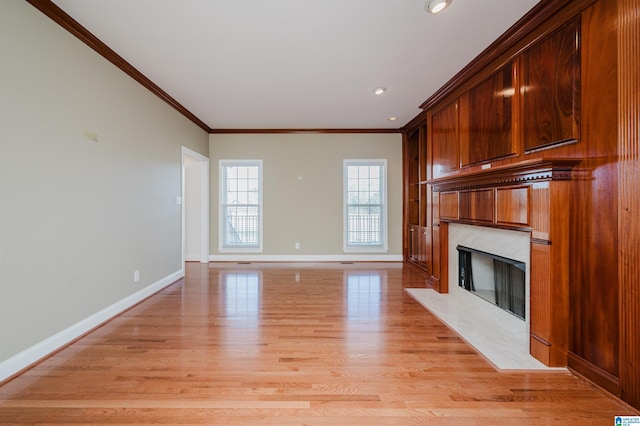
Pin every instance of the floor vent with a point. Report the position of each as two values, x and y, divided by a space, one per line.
244 263
346 263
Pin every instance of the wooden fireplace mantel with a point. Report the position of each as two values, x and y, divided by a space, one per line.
534 170
532 196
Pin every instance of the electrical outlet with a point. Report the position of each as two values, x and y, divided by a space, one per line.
297 245
136 276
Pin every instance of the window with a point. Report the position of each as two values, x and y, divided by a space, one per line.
365 209
241 205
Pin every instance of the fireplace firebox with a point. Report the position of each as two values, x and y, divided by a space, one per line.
498 280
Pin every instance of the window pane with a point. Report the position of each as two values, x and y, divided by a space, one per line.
352 198
232 198
242 198
252 184
252 198
363 198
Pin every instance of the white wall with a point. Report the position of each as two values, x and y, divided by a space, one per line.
303 183
78 217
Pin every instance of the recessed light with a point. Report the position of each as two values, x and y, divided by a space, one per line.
392 118
435 6
379 90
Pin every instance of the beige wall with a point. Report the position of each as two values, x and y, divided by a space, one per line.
308 210
78 217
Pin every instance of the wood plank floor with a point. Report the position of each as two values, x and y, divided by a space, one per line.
295 344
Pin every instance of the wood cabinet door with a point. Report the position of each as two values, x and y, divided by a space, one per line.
489 116
413 244
445 143
551 82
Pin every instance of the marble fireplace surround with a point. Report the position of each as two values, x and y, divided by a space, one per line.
514 245
499 336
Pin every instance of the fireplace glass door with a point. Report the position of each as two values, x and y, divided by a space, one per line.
496 279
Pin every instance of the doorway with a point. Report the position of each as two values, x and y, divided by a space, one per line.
195 207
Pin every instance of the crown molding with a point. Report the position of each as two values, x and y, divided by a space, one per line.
296 131
418 120
59 16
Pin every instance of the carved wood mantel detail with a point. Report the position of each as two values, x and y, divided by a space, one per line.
510 174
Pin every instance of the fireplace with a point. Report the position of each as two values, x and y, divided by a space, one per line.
503 243
496 279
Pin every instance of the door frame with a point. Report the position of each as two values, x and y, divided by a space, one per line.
204 202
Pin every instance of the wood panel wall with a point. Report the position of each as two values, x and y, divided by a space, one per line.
596 103
593 288
628 199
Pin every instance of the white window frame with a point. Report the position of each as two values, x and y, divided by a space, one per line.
360 248
225 248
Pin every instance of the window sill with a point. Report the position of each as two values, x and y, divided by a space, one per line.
365 249
240 250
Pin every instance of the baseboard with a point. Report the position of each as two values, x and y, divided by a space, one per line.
305 258
46 347
592 372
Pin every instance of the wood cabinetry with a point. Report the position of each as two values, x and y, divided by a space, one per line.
488 134
417 212
551 95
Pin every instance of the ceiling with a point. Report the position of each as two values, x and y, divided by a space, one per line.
297 64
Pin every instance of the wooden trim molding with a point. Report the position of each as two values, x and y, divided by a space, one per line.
628 198
297 131
543 12
59 16
418 120
510 174
592 372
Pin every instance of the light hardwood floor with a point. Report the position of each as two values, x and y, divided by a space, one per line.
294 344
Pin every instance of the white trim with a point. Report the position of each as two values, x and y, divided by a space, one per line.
55 342
204 205
307 258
